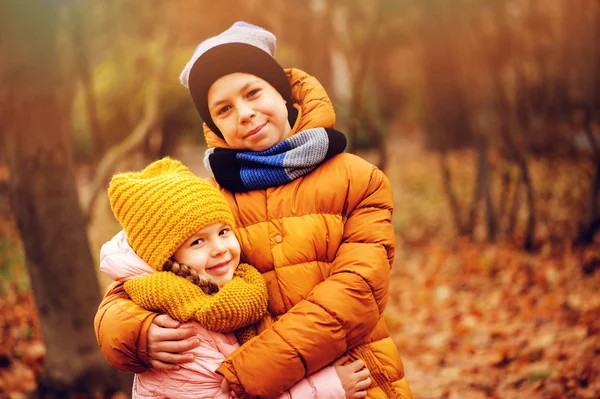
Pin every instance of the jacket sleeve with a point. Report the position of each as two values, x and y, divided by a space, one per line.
340 311
122 331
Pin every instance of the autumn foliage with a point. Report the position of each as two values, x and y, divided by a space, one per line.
485 116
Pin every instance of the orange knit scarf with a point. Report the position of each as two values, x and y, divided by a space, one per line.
236 307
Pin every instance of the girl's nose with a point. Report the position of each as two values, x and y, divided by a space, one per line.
218 248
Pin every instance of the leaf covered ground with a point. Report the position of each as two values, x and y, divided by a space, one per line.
493 322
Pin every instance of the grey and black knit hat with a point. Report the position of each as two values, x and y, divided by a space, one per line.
241 48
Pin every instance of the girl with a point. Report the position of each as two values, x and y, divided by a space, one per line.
180 231
314 221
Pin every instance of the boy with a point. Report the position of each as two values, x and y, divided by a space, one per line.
314 221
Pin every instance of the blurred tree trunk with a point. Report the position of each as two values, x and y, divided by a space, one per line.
514 118
357 113
446 109
518 155
482 192
591 220
505 187
519 158
451 194
480 167
514 208
171 127
35 106
377 134
318 62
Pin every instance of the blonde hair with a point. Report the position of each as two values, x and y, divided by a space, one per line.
206 284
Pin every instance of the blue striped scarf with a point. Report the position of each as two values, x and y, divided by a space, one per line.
241 171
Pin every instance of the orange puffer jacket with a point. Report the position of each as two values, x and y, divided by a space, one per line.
325 244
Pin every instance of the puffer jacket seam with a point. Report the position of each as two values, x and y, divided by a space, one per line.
97 332
303 263
334 316
364 280
289 217
316 99
277 279
138 344
121 308
366 283
137 339
382 207
373 295
298 80
295 349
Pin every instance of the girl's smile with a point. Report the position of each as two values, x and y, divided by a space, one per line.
218 269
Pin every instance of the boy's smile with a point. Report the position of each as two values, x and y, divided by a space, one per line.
255 130
248 111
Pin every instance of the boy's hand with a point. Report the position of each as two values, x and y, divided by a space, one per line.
354 377
166 342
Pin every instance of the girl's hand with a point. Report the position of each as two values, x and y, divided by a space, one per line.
166 342
225 388
354 377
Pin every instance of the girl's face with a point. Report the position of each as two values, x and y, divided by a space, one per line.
213 252
249 112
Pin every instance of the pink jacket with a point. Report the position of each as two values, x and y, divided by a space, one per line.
199 379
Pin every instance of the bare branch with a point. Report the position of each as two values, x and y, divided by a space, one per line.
450 194
79 36
150 120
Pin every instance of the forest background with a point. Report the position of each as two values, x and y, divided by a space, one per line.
484 114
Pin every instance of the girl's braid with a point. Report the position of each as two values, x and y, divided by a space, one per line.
205 284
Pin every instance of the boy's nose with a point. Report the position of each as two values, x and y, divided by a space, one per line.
245 113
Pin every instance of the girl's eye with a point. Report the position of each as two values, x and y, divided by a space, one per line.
224 109
197 242
224 231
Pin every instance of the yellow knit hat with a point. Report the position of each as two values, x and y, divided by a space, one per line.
164 205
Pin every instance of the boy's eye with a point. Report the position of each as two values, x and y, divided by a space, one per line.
253 93
224 109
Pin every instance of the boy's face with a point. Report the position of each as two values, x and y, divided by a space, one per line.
248 111
213 251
